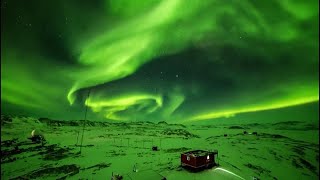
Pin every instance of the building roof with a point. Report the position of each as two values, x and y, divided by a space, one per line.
197 153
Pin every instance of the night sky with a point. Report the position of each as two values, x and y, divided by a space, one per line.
152 60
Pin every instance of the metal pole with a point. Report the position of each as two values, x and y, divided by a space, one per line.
84 124
77 138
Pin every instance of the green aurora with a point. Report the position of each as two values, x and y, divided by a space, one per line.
154 60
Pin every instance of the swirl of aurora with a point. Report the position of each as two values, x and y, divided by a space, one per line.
171 60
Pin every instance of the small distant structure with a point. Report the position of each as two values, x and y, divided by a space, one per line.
116 177
155 148
198 159
135 169
37 137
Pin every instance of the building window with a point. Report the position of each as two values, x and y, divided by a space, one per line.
188 158
208 157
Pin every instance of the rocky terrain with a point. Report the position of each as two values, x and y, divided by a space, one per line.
286 150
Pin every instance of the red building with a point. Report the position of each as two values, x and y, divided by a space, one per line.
199 159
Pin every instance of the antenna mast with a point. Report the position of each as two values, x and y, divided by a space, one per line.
85 120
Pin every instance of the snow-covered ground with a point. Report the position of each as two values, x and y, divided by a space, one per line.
287 150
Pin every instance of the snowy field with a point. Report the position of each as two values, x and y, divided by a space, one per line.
287 150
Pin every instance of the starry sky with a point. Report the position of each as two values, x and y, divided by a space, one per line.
155 60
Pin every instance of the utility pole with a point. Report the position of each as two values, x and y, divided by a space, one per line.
77 138
84 123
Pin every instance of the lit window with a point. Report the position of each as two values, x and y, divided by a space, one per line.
188 158
208 157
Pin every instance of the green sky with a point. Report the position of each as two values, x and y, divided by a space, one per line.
173 60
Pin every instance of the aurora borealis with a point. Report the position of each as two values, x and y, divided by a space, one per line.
154 60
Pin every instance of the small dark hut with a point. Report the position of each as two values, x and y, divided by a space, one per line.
199 159
155 148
